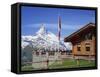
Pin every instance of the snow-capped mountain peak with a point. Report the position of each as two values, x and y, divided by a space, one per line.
44 40
41 31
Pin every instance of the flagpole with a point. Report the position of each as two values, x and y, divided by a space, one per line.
59 35
59 28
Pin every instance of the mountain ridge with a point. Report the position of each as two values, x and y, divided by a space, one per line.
44 40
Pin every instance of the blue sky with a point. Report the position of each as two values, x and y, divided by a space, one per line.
71 19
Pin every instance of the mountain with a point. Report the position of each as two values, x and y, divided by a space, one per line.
45 40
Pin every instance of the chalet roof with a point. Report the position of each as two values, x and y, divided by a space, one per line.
86 27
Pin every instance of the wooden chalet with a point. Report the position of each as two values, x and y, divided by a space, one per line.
84 42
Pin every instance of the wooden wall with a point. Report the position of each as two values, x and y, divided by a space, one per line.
83 48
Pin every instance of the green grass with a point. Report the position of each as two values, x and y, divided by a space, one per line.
67 63
27 68
70 63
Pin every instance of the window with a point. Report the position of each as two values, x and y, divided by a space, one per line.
43 53
88 36
87 43
87 48
78 48
63 52
51 53
37 53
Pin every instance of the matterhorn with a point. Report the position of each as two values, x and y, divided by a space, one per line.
44 40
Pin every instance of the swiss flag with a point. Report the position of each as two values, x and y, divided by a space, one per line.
59 28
